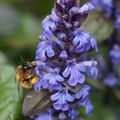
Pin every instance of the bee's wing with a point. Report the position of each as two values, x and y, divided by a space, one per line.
74 89
34 103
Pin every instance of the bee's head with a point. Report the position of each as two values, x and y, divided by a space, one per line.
26 65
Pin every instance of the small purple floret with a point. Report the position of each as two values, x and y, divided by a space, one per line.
62 98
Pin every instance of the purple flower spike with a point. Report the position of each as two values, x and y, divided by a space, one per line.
62 98
61 57
75 76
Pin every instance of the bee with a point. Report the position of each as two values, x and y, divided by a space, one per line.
35 103
25 75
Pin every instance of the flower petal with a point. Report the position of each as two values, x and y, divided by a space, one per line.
50 52
55 96
66 72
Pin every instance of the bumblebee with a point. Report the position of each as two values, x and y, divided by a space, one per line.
25 75
35 103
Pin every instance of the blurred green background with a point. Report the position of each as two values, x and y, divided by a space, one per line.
20 25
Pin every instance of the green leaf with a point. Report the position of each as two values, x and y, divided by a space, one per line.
9 98
99 26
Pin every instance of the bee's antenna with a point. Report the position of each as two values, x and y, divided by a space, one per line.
21 58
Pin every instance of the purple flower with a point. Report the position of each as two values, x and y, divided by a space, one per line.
107 3
89 107
83 93
38 71
61 36
62 116
73 114
55 18
44 47
93 72
74 70
40 68
48 26
61 57
102 3
53 80
117 22
50 81
111 80
45 116
87 104
37 86
96 2
84 41
115 54
91 68
43 37
62 97
74 10
86 8
68 4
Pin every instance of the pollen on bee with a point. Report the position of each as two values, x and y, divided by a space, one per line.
34 80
